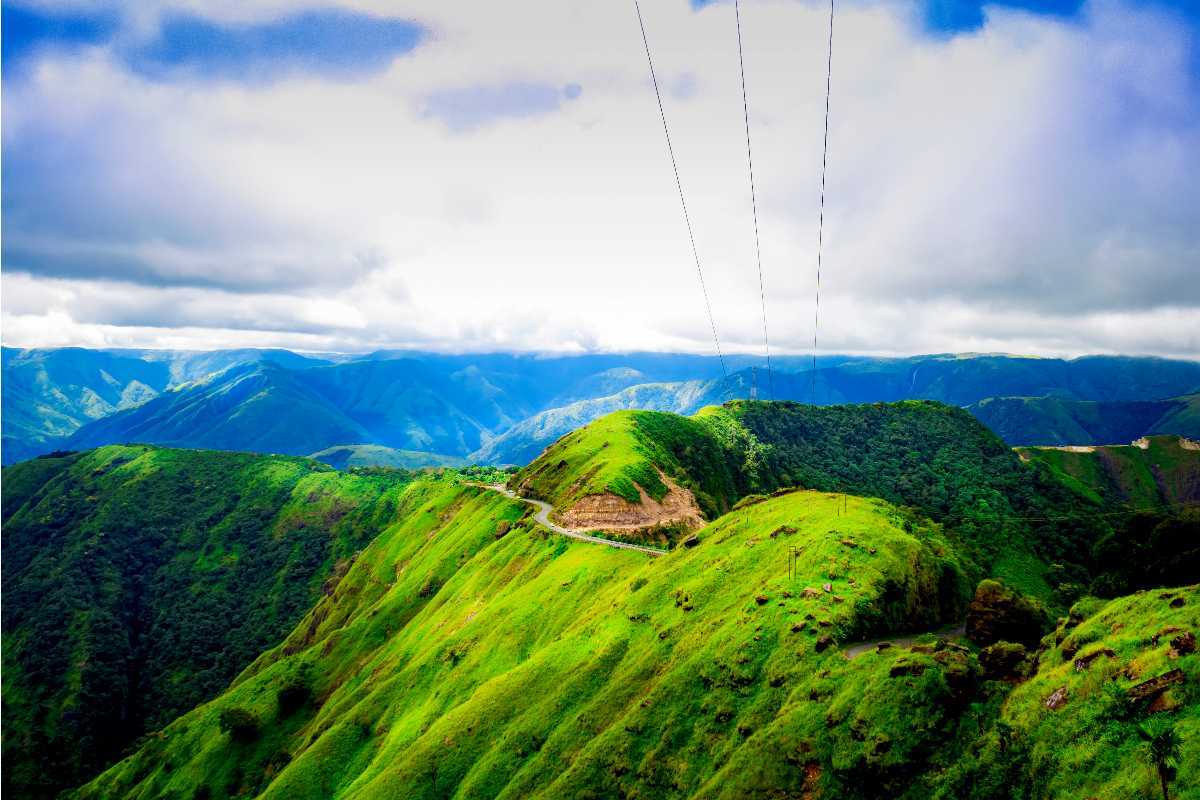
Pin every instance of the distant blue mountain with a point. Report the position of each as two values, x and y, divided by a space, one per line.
496 408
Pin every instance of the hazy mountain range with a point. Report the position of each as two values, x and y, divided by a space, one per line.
504 408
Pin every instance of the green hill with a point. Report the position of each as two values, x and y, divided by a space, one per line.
1061 421
923 454
469 653
287 630
1155 472
139 581
450 662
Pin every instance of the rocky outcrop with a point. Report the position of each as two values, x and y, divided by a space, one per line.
608 512
998 614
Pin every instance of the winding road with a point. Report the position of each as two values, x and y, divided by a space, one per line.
857 649
543 518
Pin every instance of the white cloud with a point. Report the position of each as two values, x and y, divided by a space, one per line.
1029 187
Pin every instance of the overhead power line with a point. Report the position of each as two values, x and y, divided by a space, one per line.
762 295
679 185
821 218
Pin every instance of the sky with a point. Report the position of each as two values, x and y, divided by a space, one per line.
1017 176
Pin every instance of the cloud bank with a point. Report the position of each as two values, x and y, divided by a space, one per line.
1019 178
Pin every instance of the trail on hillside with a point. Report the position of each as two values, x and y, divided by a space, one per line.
858 648
543 518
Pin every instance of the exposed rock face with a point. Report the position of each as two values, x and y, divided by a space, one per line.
608 512
997 613
1151 689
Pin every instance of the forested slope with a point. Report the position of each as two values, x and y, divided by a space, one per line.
138 581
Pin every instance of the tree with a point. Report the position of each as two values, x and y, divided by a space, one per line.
1164 754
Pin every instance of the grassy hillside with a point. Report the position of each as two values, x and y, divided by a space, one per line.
625 450
1166 472
1090 746
468 654
1059 421
927 455
138 581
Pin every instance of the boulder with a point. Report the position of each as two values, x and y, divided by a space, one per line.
1151 689
997 613
1083 662
1057 699
905 667
1004 660
1184 644
824 643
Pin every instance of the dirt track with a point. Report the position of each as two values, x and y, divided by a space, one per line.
543 518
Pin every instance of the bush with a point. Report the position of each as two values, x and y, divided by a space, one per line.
240 724
292 697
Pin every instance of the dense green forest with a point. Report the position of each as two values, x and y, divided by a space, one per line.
139 581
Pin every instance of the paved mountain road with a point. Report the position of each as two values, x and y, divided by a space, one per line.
543 518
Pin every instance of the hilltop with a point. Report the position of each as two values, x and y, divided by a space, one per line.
935 458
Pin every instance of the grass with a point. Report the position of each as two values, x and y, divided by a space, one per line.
448 661
624 451
1090 747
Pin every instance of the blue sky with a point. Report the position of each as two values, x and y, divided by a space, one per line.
326 41
360 174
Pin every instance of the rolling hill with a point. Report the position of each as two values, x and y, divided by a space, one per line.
926 455
469 653
445 643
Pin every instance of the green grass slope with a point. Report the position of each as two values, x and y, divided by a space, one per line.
927 455
626 449
139 581
469 653
1090 746
1165 473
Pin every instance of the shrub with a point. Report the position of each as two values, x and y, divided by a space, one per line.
292 697
240 724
